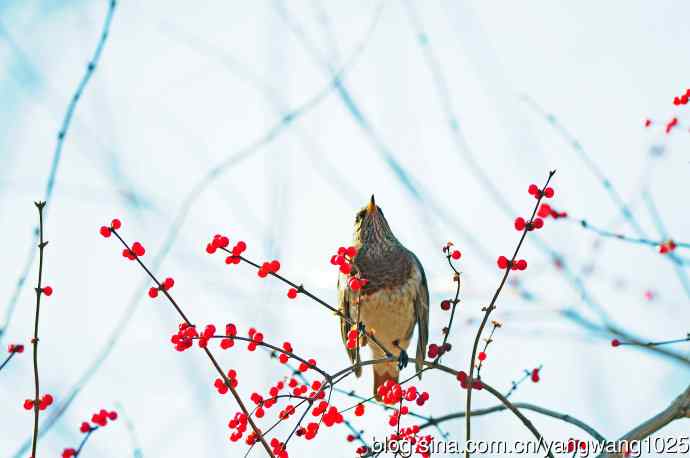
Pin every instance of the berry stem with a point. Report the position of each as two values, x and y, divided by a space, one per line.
487 314
34 342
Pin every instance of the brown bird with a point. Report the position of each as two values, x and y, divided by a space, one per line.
392 302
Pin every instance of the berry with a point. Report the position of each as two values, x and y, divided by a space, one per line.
292 293
456 255
503 262
445 305
345 268
521 264
549 192
85 427
28 404
535 375
153 292
138 249
359 410
47 290
520 223
482 356
615 342
168 283
115 224
105 231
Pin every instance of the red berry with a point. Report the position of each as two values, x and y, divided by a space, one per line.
115 224
456 255
138 249
544 210
355 283
535 375
85 427
28 404
274 266
520 223
359 410
502 262
521 264
445 305
533 189
105 231
482 356
47 290
153 292
615 342
345 268
548 192
168 283
292 293
538 223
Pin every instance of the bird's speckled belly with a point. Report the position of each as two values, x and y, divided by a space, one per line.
390 312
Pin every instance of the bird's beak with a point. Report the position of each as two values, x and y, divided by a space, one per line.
371 208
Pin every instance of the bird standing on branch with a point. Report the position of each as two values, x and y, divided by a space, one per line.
394 299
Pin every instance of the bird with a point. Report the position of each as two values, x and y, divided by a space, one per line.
393 301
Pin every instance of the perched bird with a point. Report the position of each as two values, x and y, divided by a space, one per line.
394 299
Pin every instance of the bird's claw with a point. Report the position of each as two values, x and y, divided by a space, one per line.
403 359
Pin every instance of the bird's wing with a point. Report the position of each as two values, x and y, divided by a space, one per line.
344 307
421 310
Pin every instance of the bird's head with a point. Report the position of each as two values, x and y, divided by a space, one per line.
371 226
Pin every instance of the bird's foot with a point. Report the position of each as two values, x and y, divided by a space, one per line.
403 359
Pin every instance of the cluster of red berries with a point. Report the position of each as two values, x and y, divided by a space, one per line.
268 268
220 384
667 246
15 348
283 358
435 351
345 259
538 193
303 367
352 339
521 224
309 432
279 449
183 339
165 286
43 403
391 392
239 425
504 263
107 230
683 99
222 242
256 337
464 380
545 211
136 251
100 418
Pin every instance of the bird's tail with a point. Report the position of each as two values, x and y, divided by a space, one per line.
383 372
